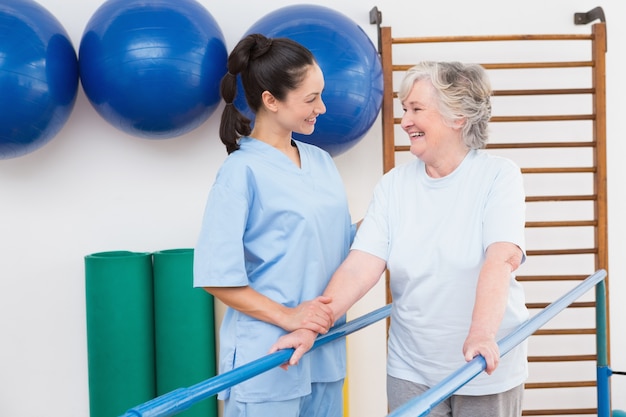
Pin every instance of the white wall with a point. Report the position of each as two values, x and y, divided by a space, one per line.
93 188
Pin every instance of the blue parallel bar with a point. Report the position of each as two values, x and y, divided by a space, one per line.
181 399
423 404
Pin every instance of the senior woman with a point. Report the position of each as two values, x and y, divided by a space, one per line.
449 226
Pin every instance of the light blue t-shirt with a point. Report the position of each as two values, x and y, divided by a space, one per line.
283 230
433 234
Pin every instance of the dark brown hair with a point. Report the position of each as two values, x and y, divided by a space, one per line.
276 65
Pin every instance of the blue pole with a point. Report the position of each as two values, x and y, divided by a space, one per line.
604 397
423 404
181 399
603 372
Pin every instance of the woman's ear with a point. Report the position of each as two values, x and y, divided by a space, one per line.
459 123
269 101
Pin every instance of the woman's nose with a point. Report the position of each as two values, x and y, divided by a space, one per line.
321 109
405 122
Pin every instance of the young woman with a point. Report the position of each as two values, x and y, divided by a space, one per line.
276 226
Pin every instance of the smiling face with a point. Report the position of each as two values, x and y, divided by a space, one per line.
298 112
432 137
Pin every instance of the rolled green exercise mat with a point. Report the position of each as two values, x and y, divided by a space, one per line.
184 328
120 331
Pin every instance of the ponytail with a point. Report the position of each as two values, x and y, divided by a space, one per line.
233 124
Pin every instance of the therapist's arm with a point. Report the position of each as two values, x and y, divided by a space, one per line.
358 273
502 258
314 315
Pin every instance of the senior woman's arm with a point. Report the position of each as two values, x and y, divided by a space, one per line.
502 258
358 273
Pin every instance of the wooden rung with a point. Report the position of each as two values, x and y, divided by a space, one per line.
543 92
537 65
579 304
544 198
492 38
406 148
563 332
543 118
561 412
562 358
535 92
514 65
559 170
533 145
563 223
543 252
562 384
540 278
535 118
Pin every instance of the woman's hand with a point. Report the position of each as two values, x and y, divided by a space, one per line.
301 340
485 345
315 315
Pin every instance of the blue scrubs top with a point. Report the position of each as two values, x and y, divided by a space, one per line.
283 230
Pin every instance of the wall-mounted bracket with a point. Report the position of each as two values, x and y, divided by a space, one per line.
590 16
376 18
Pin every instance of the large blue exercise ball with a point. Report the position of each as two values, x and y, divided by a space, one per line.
352 71
152 68
38 77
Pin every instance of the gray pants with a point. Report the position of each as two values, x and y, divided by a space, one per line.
505 404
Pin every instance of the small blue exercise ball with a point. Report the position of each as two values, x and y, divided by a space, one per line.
38 77
352 71
152 68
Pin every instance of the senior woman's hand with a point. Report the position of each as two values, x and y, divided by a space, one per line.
301 340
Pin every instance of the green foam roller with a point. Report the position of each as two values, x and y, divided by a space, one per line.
184 328
120 331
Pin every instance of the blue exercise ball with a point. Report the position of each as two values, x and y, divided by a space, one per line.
152 68
352 71
38 77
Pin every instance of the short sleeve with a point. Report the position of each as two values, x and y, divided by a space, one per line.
219 257
505 211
